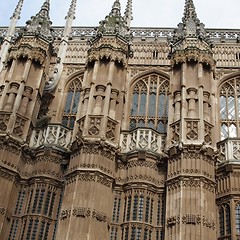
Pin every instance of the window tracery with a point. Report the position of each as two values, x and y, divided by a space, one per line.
237 217
72 102
224 220
229 101
150 103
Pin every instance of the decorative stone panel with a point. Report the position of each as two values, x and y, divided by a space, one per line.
142 139
53 135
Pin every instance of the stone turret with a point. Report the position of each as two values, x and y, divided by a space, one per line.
21 93
22 81
191 140
92 163
10 33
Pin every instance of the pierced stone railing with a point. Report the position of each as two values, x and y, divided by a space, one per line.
52 135
142 139
147 32
229 150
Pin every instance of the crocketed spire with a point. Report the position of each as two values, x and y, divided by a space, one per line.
114 23
190 40
40 24
72 10
190 25
17 11
128 13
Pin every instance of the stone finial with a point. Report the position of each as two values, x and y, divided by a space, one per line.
17 11
114 23
116 8
72 10
40 24
190 27
128 13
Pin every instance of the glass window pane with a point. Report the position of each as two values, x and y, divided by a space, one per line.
231 108
143 100
68 102
237 216
161 103
223 108
133 124
151 124
224 131
152 104
134 104
75 102
221 222
141 123
161 127
232 131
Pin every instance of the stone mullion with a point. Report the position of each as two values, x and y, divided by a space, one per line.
184 106
233 219
147 102
4 94
156 103
22 85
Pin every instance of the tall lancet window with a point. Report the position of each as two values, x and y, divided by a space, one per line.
230 108
149 105
72 102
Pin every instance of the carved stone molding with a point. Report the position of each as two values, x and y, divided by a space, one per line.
92 166
191 218
101 217
99 147
65 214
6 175
3 211
95 177
191 181
81 212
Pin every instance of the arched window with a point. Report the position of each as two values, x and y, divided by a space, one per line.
224 220
150 103
237 218
72 101
229 102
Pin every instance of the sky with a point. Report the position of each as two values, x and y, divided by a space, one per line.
146 13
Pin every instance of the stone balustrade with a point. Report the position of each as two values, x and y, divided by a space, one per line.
147 32
52 135
229 150
142 139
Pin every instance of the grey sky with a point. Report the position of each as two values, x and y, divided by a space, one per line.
146 13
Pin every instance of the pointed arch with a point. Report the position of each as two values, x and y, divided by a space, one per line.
71 106
149 101
229 106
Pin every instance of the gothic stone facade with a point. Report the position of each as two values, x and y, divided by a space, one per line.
120 134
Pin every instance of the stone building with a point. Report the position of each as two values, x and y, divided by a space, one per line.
119 133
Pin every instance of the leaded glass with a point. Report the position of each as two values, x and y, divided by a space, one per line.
139 231
228 220
71 103
133 234
149 103
237 218
221 222
140 208
229 108
135 206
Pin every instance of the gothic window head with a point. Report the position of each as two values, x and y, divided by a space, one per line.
149 104
229 102
72 102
